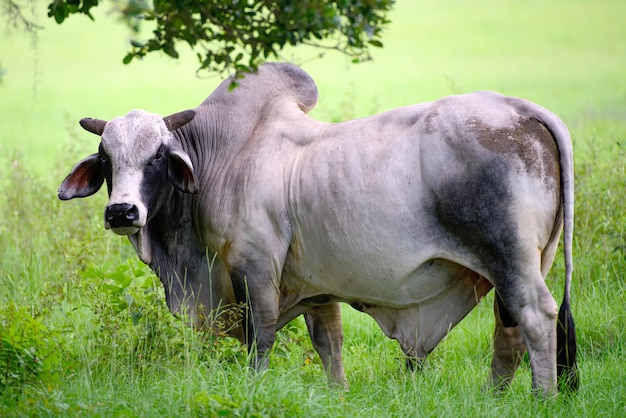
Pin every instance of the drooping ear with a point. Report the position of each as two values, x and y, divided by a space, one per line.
85 179
95 126
179 119
180 171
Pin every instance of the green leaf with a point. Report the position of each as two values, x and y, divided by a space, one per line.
170 50
59 13
231 32
135 316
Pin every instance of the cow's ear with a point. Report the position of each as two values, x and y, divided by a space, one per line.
178 120
85 179
180 171
95 126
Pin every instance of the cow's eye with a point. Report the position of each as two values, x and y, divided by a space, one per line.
104 158
158 157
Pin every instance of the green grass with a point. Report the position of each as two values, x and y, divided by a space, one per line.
83 325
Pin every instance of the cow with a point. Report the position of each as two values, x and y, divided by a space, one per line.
411 216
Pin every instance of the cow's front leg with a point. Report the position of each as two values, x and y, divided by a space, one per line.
259 294
325 329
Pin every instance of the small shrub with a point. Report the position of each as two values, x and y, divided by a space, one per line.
29 351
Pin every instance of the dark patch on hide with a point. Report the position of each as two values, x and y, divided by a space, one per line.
155 180
179 257
475 208
106 168
528 139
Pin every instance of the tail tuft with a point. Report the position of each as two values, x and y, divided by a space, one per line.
566 367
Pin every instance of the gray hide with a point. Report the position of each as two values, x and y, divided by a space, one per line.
411 216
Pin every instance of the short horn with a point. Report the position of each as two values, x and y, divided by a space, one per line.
95 126
178 120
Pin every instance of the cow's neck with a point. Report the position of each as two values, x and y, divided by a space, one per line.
213 141
182 262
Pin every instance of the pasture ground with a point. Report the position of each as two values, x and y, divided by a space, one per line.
84 330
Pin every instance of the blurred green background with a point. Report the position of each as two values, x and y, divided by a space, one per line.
569 56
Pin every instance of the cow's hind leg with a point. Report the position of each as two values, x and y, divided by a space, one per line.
530 303
324 325
508 345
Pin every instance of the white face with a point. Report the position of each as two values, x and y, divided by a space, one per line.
133 144
140 160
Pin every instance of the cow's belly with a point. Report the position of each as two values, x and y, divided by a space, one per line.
377 278
374 245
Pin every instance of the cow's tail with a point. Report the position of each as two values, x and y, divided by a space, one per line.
567 370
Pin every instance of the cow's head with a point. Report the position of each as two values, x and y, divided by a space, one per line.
138 156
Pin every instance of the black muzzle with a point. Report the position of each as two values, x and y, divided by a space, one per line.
121 215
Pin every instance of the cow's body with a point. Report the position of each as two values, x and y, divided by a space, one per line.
411 215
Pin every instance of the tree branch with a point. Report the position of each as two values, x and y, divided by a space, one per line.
15 17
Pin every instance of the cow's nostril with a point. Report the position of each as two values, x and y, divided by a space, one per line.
132 214
121 215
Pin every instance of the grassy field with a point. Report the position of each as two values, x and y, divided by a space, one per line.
83 325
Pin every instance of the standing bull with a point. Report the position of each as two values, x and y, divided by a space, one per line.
411 216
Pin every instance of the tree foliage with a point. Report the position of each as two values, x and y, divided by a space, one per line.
240 34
